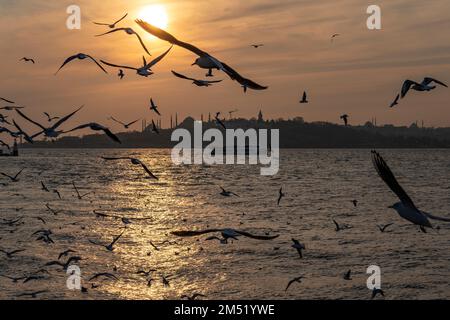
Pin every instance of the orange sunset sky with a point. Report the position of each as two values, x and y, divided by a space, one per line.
359 74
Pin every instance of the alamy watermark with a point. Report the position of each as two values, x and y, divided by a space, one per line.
252 145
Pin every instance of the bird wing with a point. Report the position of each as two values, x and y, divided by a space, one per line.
98 64
388 177
120 122
32 121
194 233
117 238
429 215
69 59
429 80
83 126
234 75
112 31
164 35
111 135
18 174
148 171
117 66
121 19
101 24
64 119
179 75
249 235
131 123
112 159
406 86
158 59
142 43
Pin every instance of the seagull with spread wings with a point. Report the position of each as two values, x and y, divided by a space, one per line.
12 178
406 207
197 82
112 25
154 107
205 60
143 71
109 247
52 131
226 234
49 118
97 127
80 56
125 125
130 32
135 162
28 60
425 85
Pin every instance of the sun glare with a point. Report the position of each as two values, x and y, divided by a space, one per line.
155 15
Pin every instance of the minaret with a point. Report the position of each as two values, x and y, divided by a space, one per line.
171 122
201 118
209 117
260 117
176 119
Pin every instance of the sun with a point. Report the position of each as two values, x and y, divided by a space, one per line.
155 15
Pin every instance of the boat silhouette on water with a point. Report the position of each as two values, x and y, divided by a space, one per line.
11 153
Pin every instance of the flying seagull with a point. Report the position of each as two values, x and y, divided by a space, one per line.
334 36
256 46
49 118
298 246
65 265
395 102
130 32
197 82
226 193
355 203
10 254
143 71
13 178
345 118
425 85
28 60
295 280
109 247
304 98
97 127
135 162
226 234
112 25
406 207
154 107
154 127
79 195
220 122
280 195
121 74
80 56
104 275
205 60
125 125
383 228
339 227
52 131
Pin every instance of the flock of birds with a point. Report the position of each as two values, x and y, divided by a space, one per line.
405 207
